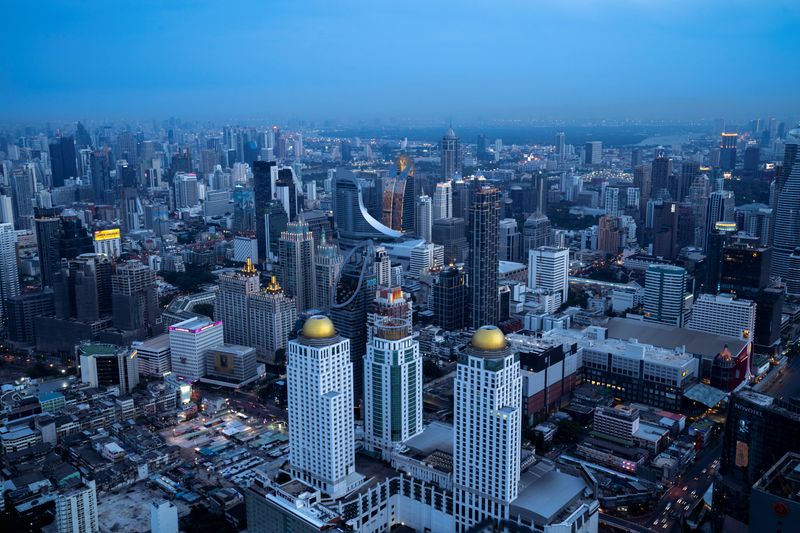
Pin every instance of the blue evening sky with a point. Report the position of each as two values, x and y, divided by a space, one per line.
493 59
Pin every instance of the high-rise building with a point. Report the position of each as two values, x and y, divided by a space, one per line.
354 222
100 169
298 265
642 179
399 197
231 305
319 375
721 205
76 508
451 233
509 240
265 174
450 298
548 268
484 215
186 190
21 311
188 342
153 355
392 386
135 297
355 289
450 156
83 288
9 272
786 206
664 294
329 264
487 428
536 232
62 160
727 151
561 146
271 316
163 517
637 157
48 233
724 314
424 214
442 200
389 302
593 153
662 181
716 242
480 149
609 235
108 365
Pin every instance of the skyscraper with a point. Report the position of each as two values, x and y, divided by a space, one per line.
484 215
399 197
354 222
62 160
76 508
450 298
424 214
329 263
442 200
231 305
297 265
487 428
450 156
721 205
664 290
319 375
392 386
9 273
548 268
662 180
786 230
509 240
536 232
48 233
561 146
271 316
188 342
265 174
593 153
451 233
135 298
727 151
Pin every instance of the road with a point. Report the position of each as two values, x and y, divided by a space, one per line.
788 385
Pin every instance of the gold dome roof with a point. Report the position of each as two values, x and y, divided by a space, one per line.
318 327
489 338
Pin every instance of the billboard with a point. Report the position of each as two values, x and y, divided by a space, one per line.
106 234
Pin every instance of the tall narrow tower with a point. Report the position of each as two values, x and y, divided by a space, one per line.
321 425
487 418
484 215
392 386
297 264
329 263
451 156
231 303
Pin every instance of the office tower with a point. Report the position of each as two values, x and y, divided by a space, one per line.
424 214
548 268
664 231
231 305
153 355
509 240
484 215
392 386
786 230
561 146
774 502
286 192
642 179
759 430
637 156
462 198
536 232
609 235
21 311
423 257
727 151
389 302
319 376
48 233
721 205
186 191
752 161
661 178
450 297
23 188
265 174
135 297
756 220
100 171
83 288
716 242
487 426
443 200
450 156
594 153
271 317
129 207
329 264
76 508
399 197
611 201
276 222
664 290
108 365
163 517
73 240
62 160
230 365
354 223
690 170
481 153
107 242
188 342
127 147
451 233
9 273
298 265
6 209
724 314
355 289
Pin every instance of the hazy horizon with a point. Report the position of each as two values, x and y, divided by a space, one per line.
571 60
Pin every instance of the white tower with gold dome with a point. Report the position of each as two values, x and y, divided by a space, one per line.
320 386
487 420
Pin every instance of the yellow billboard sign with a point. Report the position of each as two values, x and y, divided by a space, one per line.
106 234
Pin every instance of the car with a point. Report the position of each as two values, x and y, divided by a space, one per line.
665 526
685 488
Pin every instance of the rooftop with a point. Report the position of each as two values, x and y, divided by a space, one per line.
783 479
544 495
